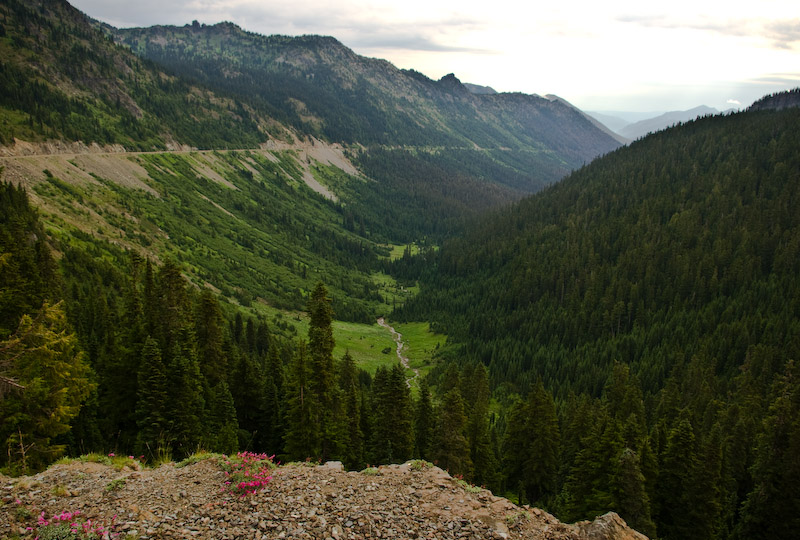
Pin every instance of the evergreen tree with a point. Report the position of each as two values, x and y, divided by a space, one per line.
353 452
301 435
677 472
424 423
250 391
631 501
392 430
579 487
209 334
772 508
152 404
322 384
187 404
28 274
531 446
476 390
452 448
46 362
623 398
274 404
224 428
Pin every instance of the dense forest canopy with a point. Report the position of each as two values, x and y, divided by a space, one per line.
654 292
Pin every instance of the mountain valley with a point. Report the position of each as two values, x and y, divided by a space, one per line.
202 226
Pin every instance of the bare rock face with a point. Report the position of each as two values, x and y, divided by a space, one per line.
413 500
607 527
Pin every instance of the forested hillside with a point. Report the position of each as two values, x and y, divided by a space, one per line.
438 152
62 79
105 352
655 294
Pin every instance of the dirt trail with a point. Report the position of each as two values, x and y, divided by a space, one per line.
398 338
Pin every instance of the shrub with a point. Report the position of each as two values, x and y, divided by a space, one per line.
67 526
247 472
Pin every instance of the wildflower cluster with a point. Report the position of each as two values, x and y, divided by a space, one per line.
247 472
66 526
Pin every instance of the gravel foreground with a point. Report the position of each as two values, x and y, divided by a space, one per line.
301 502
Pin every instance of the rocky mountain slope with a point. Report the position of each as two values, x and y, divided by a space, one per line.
412 500
61 79
321 87
438 154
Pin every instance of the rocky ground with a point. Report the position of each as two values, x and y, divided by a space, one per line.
301 501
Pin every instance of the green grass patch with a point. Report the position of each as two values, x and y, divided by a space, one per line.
396 251
116 484
393 293
365 342
198 457
112 460
420 344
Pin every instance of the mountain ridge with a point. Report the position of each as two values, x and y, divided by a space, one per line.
449 111
667 119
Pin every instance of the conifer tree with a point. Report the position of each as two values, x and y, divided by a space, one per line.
274 403
301 435
28 274
581 482
531 447
152 404
677 472
54 380
353 451
250 392
424 423
452 447
631 501
623 398
188 407
772 508
322 383
392 430
209 334
223 432
173 311
481 451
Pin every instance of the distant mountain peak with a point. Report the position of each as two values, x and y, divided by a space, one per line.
451 82
478 89
651 125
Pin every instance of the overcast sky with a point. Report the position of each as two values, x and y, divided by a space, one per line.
599 55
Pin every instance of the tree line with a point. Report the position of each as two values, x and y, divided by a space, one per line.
139 362
654 294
